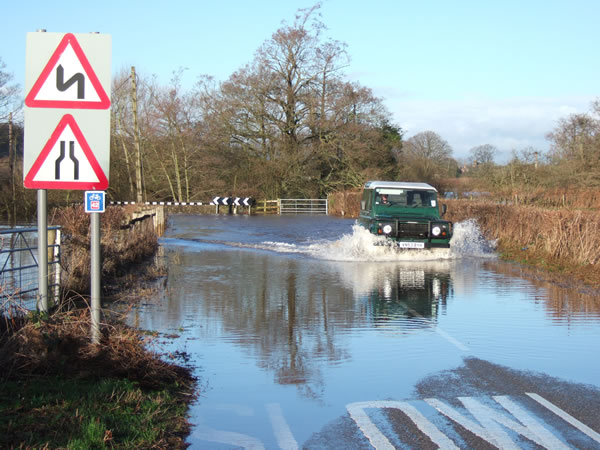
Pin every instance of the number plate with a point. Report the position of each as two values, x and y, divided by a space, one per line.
411 244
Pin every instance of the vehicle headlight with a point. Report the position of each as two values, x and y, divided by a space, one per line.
387 229
436 230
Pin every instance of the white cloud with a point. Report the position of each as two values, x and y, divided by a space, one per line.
509 124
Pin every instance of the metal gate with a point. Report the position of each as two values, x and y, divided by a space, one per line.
19 267
303 206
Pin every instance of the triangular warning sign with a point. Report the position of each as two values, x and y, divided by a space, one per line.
66 162
68 81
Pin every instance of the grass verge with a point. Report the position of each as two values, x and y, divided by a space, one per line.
58 390
76 413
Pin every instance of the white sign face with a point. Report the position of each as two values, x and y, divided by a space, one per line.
67 111
68 80
66 162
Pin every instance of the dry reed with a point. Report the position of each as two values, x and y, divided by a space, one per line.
61 344
344 203
563 239
122 246
564 235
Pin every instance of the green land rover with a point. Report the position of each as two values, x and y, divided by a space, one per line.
408 214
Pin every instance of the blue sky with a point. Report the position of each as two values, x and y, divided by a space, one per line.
475 72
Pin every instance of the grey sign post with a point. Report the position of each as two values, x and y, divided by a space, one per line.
67 130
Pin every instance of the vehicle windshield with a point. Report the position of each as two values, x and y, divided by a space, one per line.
405 198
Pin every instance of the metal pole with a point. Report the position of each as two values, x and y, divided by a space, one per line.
42 226
95 276
11 165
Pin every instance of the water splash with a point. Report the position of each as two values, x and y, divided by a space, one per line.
468 240
361 245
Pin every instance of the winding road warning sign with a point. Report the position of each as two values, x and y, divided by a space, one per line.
66 162
68 81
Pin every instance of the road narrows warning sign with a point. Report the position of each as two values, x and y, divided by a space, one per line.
68 81
66 161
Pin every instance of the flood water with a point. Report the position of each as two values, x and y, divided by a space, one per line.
287 320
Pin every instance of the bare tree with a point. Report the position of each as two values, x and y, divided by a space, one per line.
577 139
290 120
285 124
9 94
427 157
428 145
483 154
174 118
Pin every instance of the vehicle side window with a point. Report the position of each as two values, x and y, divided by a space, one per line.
367 200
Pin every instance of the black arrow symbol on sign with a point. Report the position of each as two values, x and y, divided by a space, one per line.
62 85
62 156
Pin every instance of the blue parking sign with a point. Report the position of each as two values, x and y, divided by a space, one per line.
94 201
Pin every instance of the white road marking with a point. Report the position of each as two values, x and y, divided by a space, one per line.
459 345
371 432
489 424
227 437
496 436
281 429
546 438
565 416
452 340
376 437
490 421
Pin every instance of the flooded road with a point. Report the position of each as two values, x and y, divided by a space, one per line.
306 335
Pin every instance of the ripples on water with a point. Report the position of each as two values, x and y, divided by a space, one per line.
309 313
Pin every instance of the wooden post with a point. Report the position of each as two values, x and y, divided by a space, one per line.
136 138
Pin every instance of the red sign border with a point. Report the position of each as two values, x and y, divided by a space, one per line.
102 183
69 38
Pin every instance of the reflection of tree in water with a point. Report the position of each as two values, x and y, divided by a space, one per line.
292 316
562 302
286 314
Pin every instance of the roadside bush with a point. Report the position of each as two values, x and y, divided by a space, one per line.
562 239
344 203
123 245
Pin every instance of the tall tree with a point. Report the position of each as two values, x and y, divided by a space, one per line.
174 118
483 154
577 139
290 114
427 157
